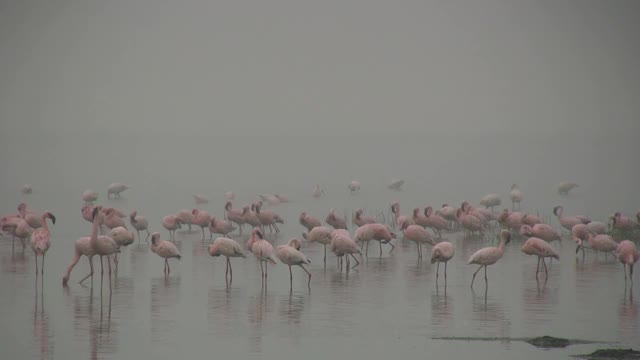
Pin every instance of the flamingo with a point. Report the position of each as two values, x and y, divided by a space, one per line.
322 235
354 186
469 222
516 196
491 201
489 256
263 251
165 249
359 219
541 249
396 184
222 227
378 232
115 189
102 245
531 220
233 215
622 222
89 196
449 213
599 243
200 199
82 248
139 223
436 222
565 187
597 227
334 221
228 248
483 215
342 244
290 255
33 219
186 217
568 222
628 255
112 220
270 199
399 219
442 252
417 234
282 198
229 195
172 223
317 191
511 219
26 189
308 221
542 231
202 219
41 239
122 237
268 217
22 231
579 234
419 218
250 216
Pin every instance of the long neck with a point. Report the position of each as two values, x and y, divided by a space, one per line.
45 226
94 230
73 264
502 244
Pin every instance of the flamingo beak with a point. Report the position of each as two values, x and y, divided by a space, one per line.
53 218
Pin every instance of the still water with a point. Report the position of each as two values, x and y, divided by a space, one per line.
386 307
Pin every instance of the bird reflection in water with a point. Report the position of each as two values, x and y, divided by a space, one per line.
41 332
494 322
441 310
258 311
628 317
165 294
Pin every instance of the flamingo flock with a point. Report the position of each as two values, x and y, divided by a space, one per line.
425 227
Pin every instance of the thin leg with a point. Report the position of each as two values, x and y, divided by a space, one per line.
474 275
437 270
266 270
90 273
230 271
308 273
109 262
168 267
380 243
486 281
101 267
147 238
290 278
538 267
366 251
325 256
261 271
356 260
36 258
546 272
226 271
445 273
42 269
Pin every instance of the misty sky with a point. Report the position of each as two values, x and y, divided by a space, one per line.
334 66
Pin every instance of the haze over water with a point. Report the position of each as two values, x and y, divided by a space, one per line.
460 99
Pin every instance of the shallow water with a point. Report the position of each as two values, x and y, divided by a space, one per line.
385 307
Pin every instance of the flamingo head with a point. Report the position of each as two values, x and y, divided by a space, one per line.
195 212
133 214
427 211
394 207
458 213
155 237
258 233
415 212
506 235
295 243
213 250
556 210
465 206
227 205
50 216
525 230
617 214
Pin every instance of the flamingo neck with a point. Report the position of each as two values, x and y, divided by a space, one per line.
45 226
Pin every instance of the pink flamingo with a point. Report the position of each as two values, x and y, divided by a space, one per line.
565 187
263 251
334 221
599 243
33 219
516 196
200 199
417 234
531 220
282 198
317 191
115 189
87 213
82 247
41 239
622 223
541 249
628 255
308 221
449 213
268 217
171 223
102 245
115 212
597 227
359 219
165 249
139 223
378 232
219 226
233 215
186 218
469 222
511 219
26 189
354 186
250 216
322 235
23 232
229 195
342 244
442 252
290 255
228 248
483 215
89 196
202 219
419 218
542 231
490 201
579 234
112 220
568 222
489 256
436 222
399 219
122 237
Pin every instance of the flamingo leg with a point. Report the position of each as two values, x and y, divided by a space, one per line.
168 267
445 274
42 269
486 281
325 255
538 267
226 272
474 275
356 260
261 271
546 272
290 278
308 273
380 243
109 262
437 271
101 267
36 258
90 273
230 270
